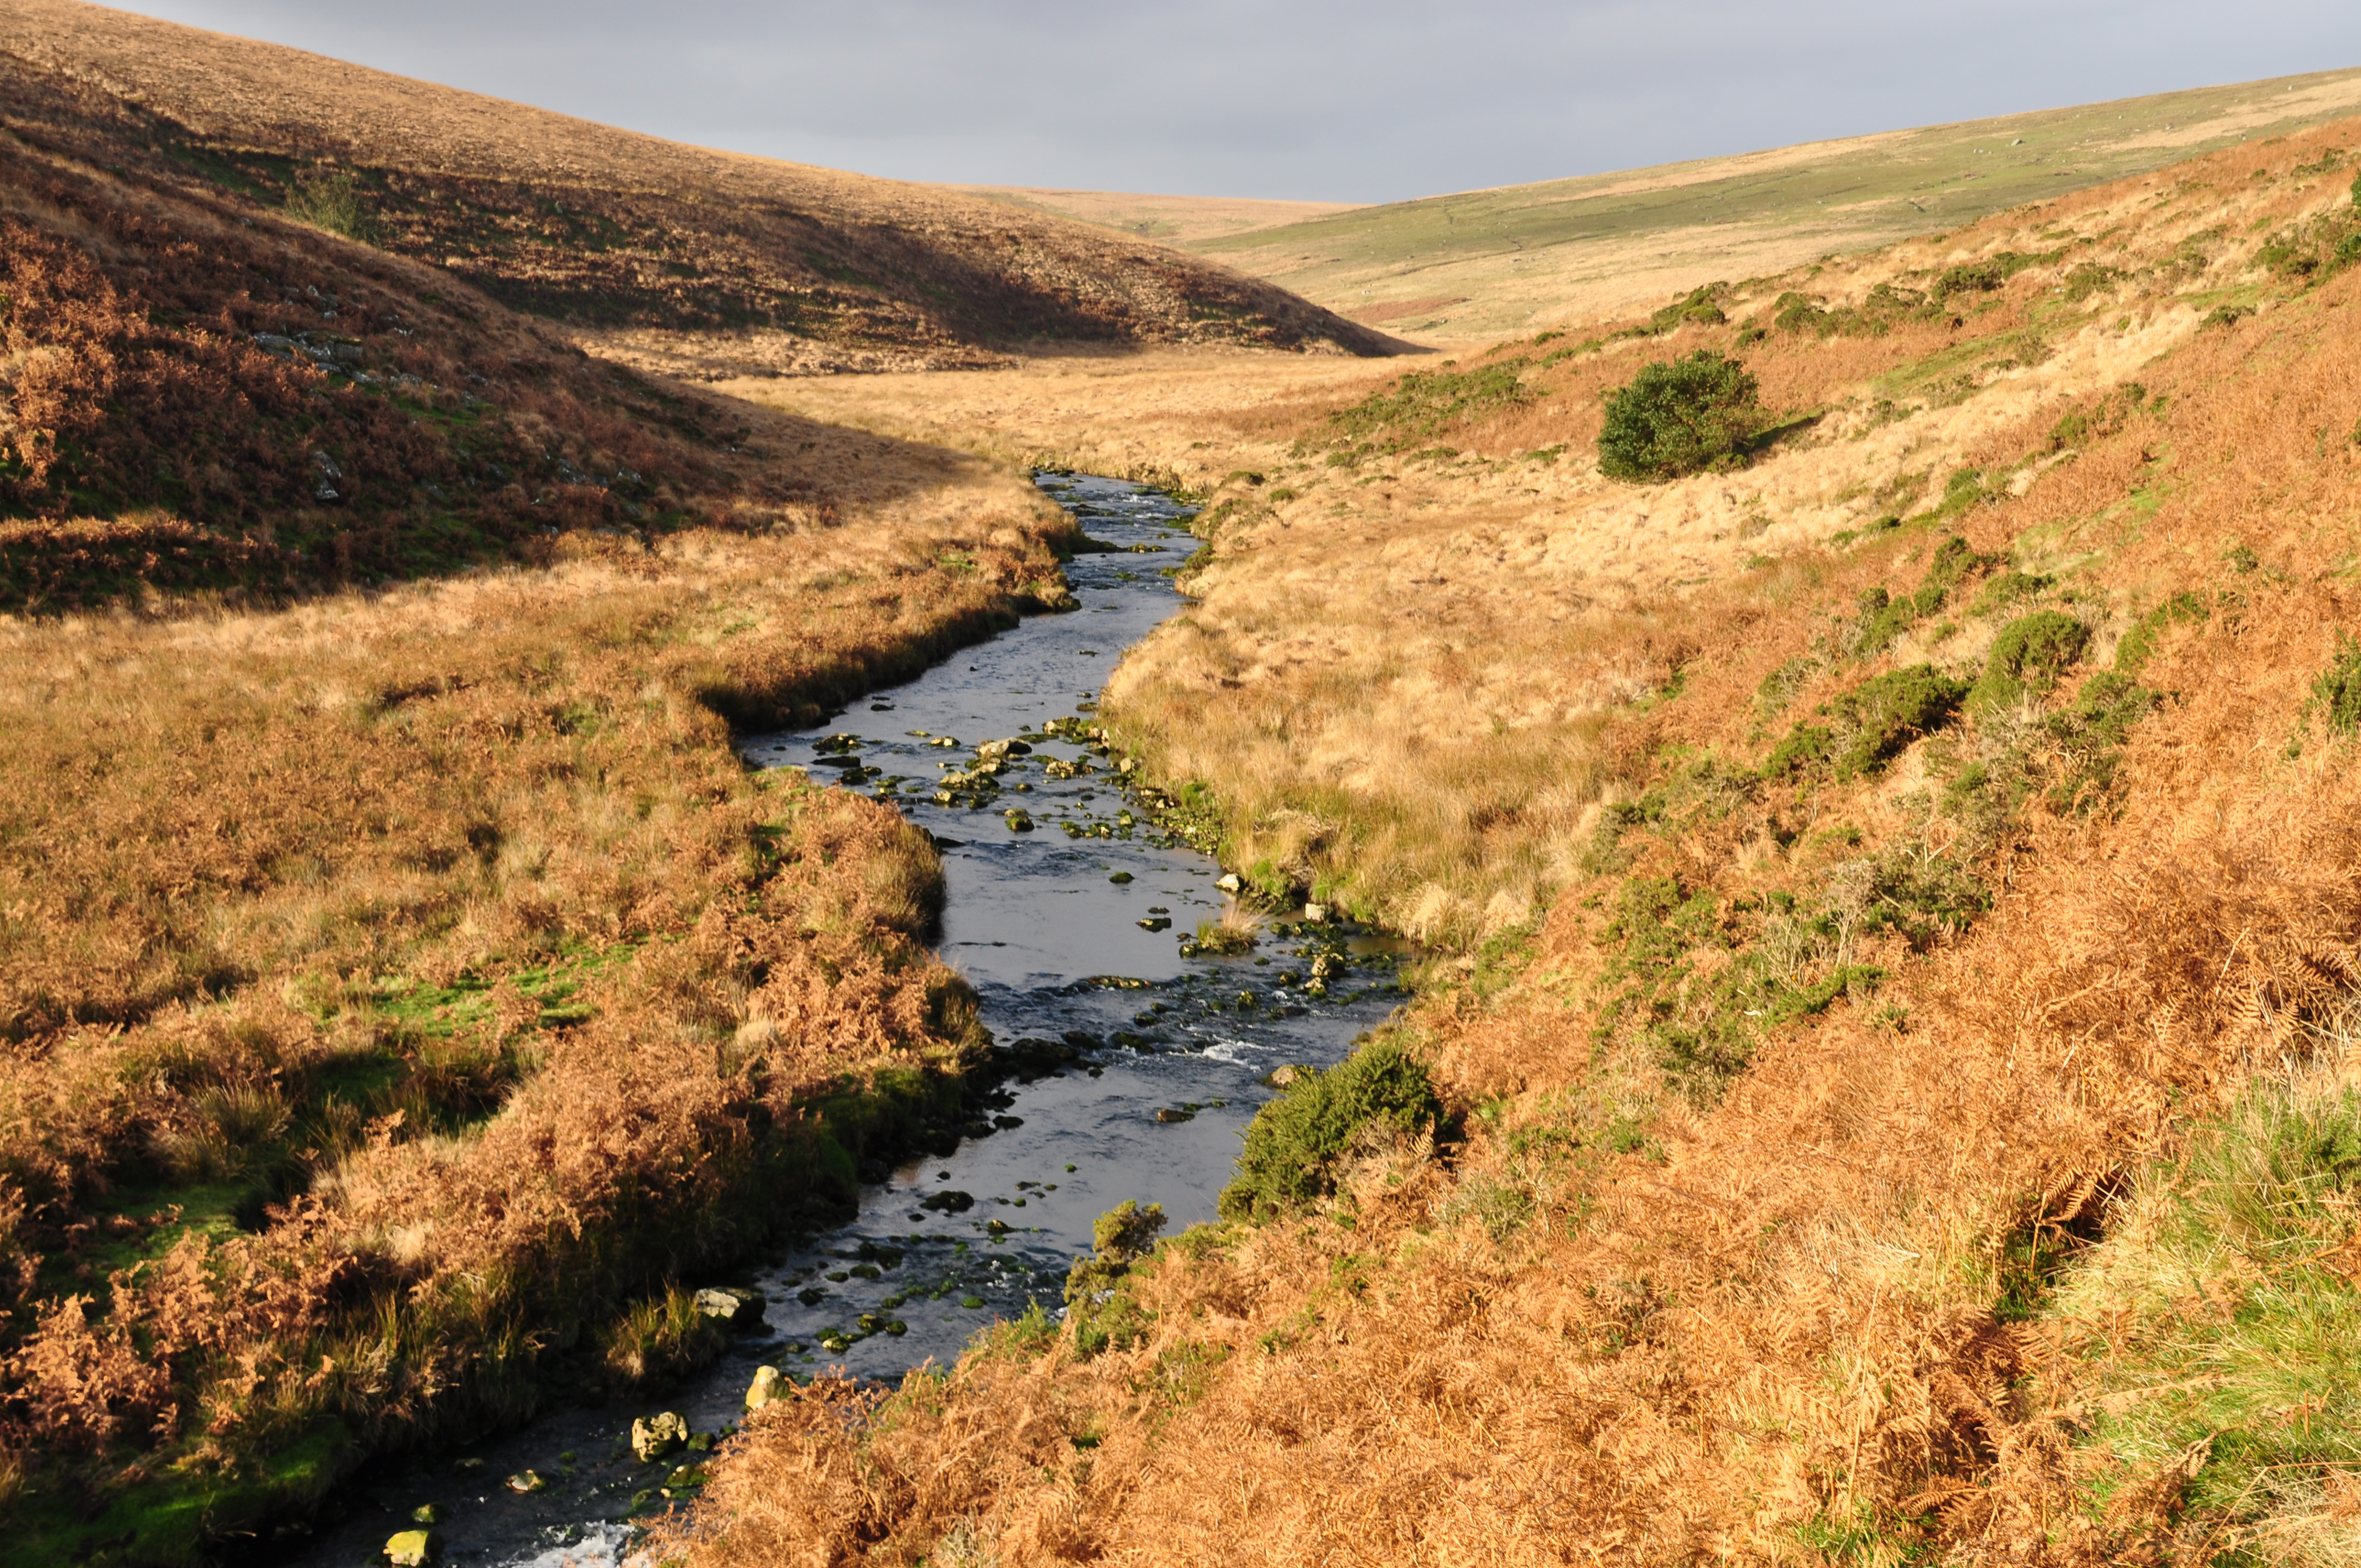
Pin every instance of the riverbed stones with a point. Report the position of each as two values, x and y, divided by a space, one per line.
1230 881
731 1307
428 1513
767 1386
1019 820
1315 914
414 1549
653 1437
526 1482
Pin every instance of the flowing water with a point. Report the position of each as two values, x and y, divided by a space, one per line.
1132 1061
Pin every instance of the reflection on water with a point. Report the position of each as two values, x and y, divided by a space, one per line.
1133 1064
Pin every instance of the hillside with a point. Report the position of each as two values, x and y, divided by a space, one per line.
1894 916
1474 266
1175 220
626 241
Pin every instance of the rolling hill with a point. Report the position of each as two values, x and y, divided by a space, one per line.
626 241
1481 263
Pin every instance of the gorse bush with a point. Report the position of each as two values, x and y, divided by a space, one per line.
1295 1143
1103 1313
1421 405
2027 658
2336 693
333 202
1680 416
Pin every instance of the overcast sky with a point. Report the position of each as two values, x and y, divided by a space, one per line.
1367 101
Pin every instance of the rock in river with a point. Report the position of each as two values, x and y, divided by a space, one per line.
653 1437
737 1309
767 1386
414 1549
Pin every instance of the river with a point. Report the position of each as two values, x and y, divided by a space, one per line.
1146 1058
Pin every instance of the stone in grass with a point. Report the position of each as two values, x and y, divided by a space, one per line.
767 1386
737 1309
414 1549
653 1437
527 1481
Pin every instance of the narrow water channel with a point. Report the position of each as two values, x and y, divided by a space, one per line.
1142 1059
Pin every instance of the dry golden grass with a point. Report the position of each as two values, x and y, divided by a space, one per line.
1808 1319
451 911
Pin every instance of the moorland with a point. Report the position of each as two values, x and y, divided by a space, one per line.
1881 1086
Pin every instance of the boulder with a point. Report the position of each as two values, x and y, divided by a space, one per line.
1231 883
1315 914
734 1307
767 1386
526 1482
653 1437
414 1549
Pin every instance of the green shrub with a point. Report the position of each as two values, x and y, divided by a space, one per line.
2336 693
1882 715
2090 277
333 202
1294 1144
2090 736
1698 306
1423 404
2138 645
1680 416
2027 657
1099 1303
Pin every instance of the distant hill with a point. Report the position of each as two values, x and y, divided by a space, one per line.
765 265
1486 263
1176 219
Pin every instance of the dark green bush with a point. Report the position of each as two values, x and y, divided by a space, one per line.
2090 737
333 202
1680 416
2027 657
1104 1314
2336 693
2138 645
1882 715
1697 306
1423 404
1294 1143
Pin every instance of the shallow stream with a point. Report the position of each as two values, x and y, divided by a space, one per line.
1144 1059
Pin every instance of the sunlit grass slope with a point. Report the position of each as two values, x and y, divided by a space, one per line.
1475 265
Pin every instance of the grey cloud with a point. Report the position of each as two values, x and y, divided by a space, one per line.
1367 101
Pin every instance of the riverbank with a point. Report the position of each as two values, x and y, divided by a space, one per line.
408 990
1879 872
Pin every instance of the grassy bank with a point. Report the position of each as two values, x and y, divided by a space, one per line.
401 986
1904 891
